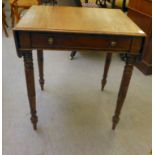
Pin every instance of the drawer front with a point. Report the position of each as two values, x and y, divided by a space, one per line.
77 41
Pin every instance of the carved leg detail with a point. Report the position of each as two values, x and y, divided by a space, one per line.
123 88
41 68
72 54
106 68
29 74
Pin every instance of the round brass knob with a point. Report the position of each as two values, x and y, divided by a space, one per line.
113 43
50 41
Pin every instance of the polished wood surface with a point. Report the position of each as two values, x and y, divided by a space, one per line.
140 11
78 20
105 35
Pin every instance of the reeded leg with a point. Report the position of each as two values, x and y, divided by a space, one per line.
106 68
41 68
72 54
123 88
29 74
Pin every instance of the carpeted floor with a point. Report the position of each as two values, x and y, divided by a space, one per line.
74 115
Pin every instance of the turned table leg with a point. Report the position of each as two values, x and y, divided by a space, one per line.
72 54
41 68
124 87
29 74
106 68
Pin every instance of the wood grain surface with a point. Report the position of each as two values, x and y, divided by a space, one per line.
75 19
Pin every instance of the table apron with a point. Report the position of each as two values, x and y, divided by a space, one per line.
74 41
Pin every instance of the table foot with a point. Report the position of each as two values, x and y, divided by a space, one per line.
34 120
115 122
103 82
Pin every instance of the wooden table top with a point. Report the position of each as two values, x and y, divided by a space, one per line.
78 20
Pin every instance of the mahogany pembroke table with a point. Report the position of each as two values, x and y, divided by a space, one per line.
75 28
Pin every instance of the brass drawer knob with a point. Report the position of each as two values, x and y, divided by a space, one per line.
50 41
113 43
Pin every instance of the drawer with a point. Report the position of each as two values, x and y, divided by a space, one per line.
79 41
